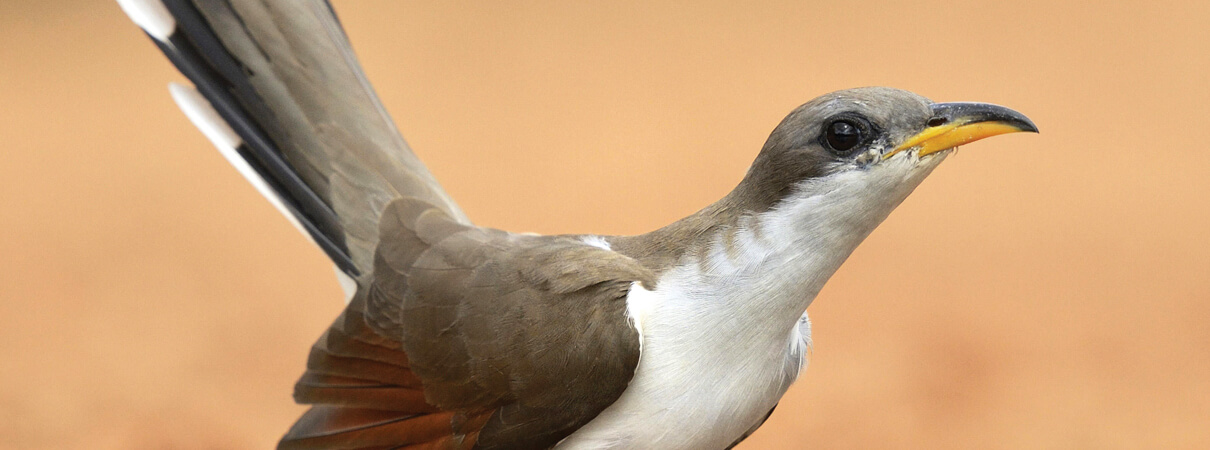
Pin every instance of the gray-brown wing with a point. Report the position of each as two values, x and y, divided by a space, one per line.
514 340
281 77
456 335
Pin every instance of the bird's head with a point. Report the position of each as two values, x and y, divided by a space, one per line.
876 142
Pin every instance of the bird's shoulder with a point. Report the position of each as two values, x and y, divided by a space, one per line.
500 340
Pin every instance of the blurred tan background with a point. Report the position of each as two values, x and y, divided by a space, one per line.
1039 291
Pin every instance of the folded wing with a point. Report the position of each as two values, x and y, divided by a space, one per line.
471 337
455 336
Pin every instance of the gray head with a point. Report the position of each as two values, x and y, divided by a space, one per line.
860 129
839 163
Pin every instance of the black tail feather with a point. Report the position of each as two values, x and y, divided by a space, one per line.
200 56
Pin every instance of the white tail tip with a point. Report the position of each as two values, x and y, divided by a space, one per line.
347 284
205 118
151 16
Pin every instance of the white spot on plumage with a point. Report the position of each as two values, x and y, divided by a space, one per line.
151 16
205 118
800 344
639 303
596 241
347 284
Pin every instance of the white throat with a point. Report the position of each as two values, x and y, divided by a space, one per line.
725 334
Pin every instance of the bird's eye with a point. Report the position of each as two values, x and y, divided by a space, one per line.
842 135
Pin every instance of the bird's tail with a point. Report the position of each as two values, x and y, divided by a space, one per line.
364 395
277 89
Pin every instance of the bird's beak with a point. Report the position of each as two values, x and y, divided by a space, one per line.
954 124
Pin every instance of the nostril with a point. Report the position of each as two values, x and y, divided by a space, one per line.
937 121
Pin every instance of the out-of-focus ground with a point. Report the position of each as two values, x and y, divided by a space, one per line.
1039 291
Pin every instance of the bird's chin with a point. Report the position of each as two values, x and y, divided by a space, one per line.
913 157
932 160
938 155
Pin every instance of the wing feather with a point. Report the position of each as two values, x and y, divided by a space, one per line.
530 330
455 336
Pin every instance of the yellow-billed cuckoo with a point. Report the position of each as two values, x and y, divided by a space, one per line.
459 336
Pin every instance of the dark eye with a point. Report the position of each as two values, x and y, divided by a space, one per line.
843 135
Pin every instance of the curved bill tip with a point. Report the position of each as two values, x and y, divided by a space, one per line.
954 124
972 113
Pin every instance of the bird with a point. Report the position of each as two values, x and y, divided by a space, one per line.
458 336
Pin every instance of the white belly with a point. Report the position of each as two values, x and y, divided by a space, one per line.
701 387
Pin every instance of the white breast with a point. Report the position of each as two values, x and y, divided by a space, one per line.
724 337
695 388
